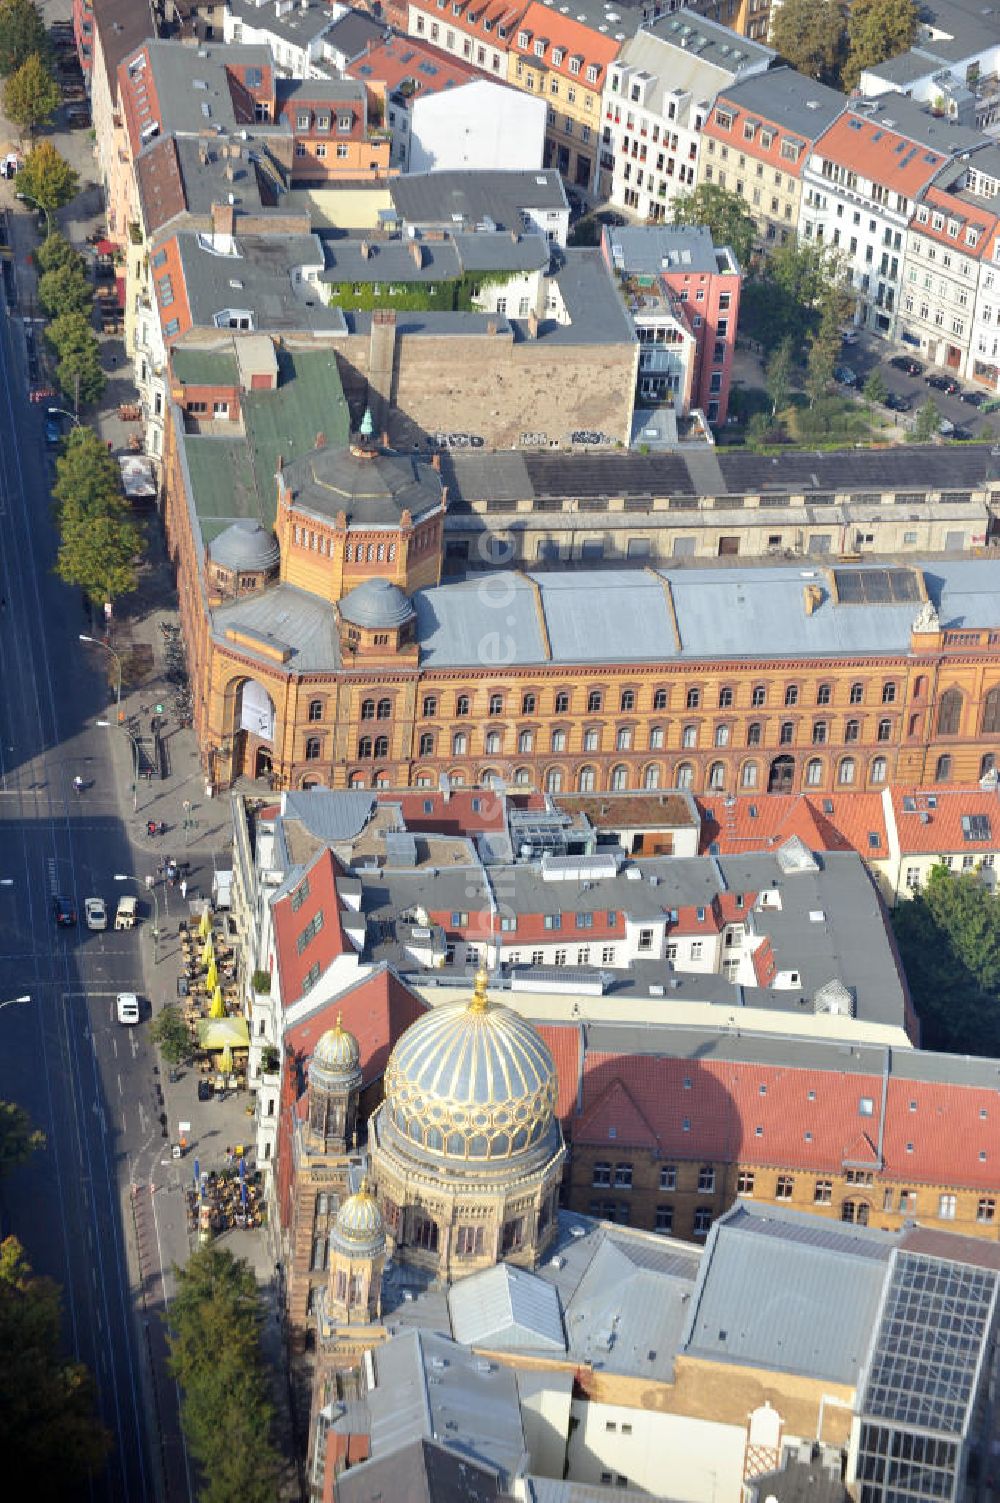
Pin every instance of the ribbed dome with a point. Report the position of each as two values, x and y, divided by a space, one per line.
359 1227
376 603
471 1080
337 1050
245 545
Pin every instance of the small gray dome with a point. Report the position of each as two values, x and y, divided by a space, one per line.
376 603
245 545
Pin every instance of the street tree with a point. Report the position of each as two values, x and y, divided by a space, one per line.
80 374
22 33
215 1356
170 1031
926 424
52 1443
18 1139
809 34
87 476
47 178
31 95
824 347
875 390
949 940
98 549
66 290
876 30
55 253
778 376
724 213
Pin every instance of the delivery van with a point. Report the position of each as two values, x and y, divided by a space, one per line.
126 914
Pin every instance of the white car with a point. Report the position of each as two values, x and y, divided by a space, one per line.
128 1007
95 913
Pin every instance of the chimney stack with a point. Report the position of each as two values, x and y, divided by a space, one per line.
417 253
223 219
366 250
532 325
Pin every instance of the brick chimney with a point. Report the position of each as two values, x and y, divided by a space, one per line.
366 250
223 219
417 253
491 327
532 325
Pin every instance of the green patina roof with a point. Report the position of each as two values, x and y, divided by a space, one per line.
234 477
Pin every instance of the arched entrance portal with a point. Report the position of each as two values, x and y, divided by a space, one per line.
262 763
247 740
781 776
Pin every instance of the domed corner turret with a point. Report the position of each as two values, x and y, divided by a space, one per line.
359 1229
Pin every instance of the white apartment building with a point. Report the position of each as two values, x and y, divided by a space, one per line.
293 29
860 185
658 96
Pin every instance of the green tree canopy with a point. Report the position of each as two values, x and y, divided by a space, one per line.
47 178
724 213
824 347
170 1031
875 390
65 290
876 30
810 34
215 1356
98 551
18 1139
22 32
80 373
87 476
51 1439
926 424
949 941
55 252
778 376
31 95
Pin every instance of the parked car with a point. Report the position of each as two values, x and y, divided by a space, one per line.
845 375
962 434
974 398
897 403
907 365
64 912
128 1007
849 336
95 913
942 383
53 428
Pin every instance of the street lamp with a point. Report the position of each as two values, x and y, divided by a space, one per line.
150 888
27 199
13 1002
104 724
96 642
65 412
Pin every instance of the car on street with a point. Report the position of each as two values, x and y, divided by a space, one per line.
973 398
849 336
942 383
962 434
53 429
64 912
95 912
907 365
896 402
845 375
128 1007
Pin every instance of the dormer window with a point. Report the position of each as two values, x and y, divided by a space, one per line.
524 39
323 122
972 237
592 72
953 228
345 121
766 139
922 215
937 221
574 64
558 53
302 120
724 119
539 48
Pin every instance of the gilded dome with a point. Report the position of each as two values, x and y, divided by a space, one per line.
471 1080
359 1227
337 1052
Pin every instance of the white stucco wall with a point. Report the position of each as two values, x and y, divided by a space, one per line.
693 1461
482 125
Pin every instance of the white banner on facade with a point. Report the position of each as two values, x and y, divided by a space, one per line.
257 711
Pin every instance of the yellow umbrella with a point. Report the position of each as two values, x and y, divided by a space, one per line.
205 927
226 1061
218 1007
207 953
212 979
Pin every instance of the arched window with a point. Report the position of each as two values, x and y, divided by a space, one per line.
367 709
786 733
457 778
885 729
313 748
493 743
526 741
430 706
823 694
462 705
725 698
522 777
857 693
987 765
949 712
651 777
693 699
683 775
315 709
920 686
364 747
619 778
846 770
856 1211
717 775
496 704
381 746
991 712
689 735
878 770
748 775
562 703
753 733
595 700
889 693
356 780
528 704
852 730
819 733
722 735
554 780
427 744
459 744
384 709
660 698
942 772
814 772
623 740
759 696
586 779
627 701
913 728
792 695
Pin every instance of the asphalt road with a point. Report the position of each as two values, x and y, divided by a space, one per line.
874 354
88 1083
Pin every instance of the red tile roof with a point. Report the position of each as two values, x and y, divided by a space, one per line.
748 822
327 942
399 58
969 216
870 149
377 1010
466 811
933 825
573 38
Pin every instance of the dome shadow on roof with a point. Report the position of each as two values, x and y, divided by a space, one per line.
245 545
376 603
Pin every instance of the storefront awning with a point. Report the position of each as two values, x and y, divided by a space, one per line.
217 1033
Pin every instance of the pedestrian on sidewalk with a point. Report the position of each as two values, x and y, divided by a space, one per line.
184 887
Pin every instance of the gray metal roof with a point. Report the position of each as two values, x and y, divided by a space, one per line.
331 815
424 1471
285 617
652 248
689 54
353 33
447 198
190 80
816 1318
789 100
260 279
596 312
506 1307
245 545
298 25
440 260
370 487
